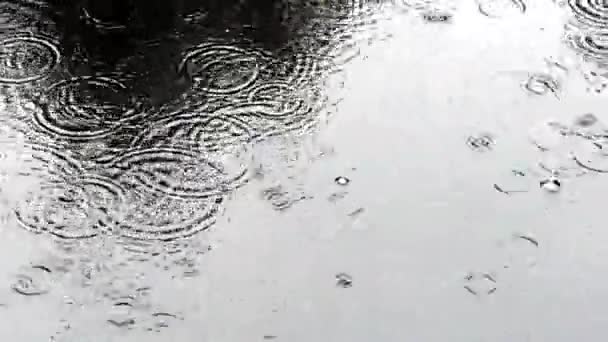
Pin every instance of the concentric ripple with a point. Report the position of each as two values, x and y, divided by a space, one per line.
210 133
61 210
591 43
591 12
281 98
286 108
84 108
222 69
27 58
166 218
181 173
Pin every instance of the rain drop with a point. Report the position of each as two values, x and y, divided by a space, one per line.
551 184
341 180
344 280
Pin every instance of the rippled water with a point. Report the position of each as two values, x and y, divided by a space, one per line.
337 170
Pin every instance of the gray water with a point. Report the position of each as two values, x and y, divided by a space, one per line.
382 171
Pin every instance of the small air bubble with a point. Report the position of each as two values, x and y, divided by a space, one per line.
481 142
341 180
551 184
586 120
344 280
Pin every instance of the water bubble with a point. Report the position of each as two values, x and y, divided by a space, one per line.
540 84
591 12
282 199
481 142
586 120
34 282
341 180
551 184
480 283
27 58
344 280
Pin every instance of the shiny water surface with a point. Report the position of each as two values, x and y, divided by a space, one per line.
420 170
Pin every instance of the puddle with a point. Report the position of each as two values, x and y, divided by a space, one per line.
134 134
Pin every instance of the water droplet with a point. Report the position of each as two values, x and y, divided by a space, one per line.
540 84
551 184
586 120
480 283
344 280
482 142
342 181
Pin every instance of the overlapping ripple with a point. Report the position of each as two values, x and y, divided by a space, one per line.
180 173
593 13
221 69
84 108
591 43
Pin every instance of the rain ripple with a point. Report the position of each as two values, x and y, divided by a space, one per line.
84 108
593 13
33 281
181 173
592 43
26 58
75 210
222 69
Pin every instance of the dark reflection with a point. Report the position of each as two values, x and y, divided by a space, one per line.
142 117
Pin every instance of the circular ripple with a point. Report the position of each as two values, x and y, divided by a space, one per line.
35 281
592 154
166 218
283 108
84 108
591 43
498 8
59 209
181 173
222 69
591 12
280 98
209 133
27 58
299 68
50 161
